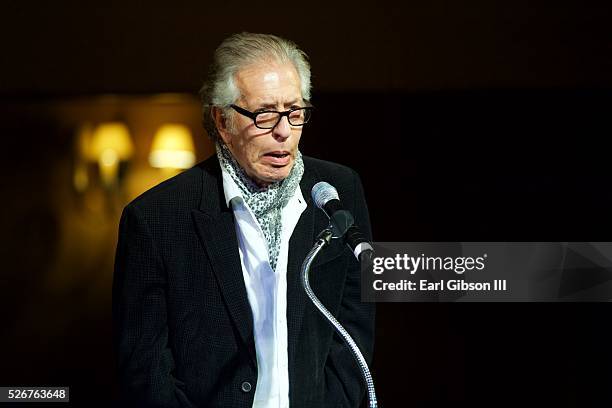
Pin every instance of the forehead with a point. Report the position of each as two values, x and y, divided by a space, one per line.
268 82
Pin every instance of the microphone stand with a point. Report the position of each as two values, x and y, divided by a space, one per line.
322 240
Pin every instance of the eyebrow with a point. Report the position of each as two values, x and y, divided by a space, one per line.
273 105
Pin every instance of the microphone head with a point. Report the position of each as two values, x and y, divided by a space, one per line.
322 193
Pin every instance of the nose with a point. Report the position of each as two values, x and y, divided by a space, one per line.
283 129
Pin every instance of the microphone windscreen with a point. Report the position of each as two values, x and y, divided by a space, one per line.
322 193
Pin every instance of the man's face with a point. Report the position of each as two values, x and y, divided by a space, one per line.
266 155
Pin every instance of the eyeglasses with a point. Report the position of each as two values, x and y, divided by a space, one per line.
269 119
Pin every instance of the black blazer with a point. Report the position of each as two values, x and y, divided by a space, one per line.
183 329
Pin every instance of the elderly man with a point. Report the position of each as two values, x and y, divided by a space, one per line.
207 300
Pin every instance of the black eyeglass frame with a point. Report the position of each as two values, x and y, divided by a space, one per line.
253 115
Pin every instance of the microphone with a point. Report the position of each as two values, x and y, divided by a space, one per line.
326 198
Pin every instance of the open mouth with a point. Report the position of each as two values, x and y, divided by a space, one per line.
278 158
278 155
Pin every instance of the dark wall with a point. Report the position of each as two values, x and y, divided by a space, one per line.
513 165
116 46
495 165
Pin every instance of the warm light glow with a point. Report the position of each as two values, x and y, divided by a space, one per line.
109 157
111 136
84 138
172 148
110 144
80 178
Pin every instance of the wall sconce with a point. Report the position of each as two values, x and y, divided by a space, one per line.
172 148
110 145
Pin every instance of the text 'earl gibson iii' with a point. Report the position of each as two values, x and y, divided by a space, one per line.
452 285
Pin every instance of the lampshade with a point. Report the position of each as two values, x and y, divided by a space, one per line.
111 139
110 144
172 147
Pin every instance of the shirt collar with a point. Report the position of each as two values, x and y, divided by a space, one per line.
230 188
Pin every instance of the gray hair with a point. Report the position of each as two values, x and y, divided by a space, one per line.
237 52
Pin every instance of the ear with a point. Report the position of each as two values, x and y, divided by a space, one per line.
221 123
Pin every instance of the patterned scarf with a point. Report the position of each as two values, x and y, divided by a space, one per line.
265 202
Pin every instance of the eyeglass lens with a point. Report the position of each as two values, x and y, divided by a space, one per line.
267 120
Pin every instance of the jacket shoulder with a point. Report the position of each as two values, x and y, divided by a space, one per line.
182 191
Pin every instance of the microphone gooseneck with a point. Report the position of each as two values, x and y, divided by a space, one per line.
322 240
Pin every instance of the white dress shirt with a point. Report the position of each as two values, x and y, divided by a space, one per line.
266 291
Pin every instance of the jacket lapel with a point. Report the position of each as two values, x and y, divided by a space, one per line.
300 244
214 223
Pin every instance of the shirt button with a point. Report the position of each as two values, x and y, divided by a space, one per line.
245 386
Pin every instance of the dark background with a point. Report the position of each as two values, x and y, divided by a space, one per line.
477 120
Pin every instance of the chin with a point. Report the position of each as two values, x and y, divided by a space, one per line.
271 178
275 174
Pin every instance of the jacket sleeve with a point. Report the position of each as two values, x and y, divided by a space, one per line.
343 376
145 362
